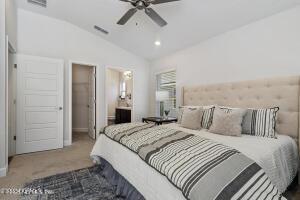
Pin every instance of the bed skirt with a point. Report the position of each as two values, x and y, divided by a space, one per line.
123 187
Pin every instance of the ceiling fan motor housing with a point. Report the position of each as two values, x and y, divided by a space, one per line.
144 5
140 5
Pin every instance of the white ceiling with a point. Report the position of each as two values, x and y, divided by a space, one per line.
190 21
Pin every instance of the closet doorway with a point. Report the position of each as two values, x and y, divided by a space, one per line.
83 101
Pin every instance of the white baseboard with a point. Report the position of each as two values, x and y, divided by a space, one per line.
67 143
111 117
3 171
80 130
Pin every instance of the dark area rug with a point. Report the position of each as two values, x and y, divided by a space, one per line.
87 183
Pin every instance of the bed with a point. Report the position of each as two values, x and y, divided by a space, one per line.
277 157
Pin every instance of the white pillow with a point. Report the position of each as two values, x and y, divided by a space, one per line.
180 112
191 118
227 123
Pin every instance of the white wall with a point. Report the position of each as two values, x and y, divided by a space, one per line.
11 22
3 158
266 48
80 97
43 36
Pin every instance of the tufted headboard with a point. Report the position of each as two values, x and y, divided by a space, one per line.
283 92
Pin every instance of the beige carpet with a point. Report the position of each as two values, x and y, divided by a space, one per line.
26 167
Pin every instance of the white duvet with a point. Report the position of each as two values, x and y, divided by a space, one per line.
278 158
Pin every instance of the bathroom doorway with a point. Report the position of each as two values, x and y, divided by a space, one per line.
119 96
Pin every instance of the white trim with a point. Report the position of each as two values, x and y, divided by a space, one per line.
111 117
3 171
69 100
6 105
67 143
166 70
80 129
3 142
122 69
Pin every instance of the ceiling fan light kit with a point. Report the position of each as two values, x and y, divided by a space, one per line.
144 5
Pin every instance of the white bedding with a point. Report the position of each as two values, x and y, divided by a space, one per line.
278 158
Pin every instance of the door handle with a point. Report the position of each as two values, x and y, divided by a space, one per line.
60 108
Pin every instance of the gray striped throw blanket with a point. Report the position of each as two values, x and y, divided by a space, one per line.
199 167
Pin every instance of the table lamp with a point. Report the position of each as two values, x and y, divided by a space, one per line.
162 96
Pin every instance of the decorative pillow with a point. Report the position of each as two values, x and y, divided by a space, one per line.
258 122
261 122
180 112
191 118
207 116
227 123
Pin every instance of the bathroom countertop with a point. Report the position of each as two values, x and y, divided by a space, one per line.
124 108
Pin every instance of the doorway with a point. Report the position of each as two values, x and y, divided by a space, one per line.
40 98
83 101
119 96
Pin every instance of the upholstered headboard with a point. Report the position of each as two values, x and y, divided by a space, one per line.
283 92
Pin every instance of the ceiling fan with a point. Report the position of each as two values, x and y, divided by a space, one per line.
144 5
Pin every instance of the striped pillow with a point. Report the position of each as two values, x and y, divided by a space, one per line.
207 117
258 122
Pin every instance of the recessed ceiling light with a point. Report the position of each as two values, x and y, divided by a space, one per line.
157 43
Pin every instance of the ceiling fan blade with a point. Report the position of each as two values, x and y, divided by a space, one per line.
155 17
127 16
130 1
162 1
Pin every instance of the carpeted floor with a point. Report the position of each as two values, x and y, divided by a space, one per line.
25 168
87 183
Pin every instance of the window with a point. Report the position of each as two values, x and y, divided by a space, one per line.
167 82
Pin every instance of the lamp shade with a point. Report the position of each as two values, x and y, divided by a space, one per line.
162 95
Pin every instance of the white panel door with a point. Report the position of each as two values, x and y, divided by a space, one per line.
39 104
92 103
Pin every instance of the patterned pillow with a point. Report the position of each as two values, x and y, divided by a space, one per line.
258 122
207 117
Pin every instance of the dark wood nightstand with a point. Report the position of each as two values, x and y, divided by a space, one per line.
159 120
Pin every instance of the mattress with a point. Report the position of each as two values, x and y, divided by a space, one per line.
278 158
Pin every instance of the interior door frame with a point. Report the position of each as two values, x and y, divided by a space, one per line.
121 69
11 146
70 100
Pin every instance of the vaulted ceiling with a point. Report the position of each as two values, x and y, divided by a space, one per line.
189 21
